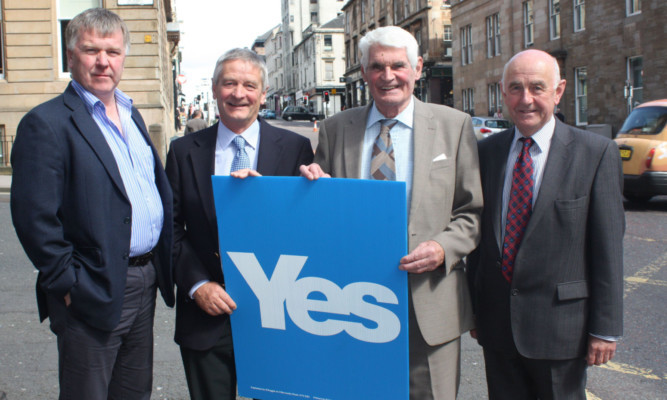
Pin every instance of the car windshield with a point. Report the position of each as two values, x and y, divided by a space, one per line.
498 123
645 121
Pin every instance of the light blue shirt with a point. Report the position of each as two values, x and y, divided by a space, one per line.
136 165
224 156
402 140
225 149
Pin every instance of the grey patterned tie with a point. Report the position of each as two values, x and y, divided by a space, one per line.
383 166
241 159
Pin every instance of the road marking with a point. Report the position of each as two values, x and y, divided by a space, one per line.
635 279
644 275
630 370
591 396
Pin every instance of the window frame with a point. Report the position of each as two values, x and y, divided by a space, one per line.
579 15
63 68
3 64
554 20
528 24
633 7
581 95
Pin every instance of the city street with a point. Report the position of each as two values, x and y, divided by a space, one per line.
28 360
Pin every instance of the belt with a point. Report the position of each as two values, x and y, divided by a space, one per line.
140 261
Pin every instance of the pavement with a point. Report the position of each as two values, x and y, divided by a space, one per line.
5 184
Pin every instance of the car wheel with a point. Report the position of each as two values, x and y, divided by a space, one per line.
313 119
289 118
637 198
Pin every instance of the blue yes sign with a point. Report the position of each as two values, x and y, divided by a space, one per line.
313 268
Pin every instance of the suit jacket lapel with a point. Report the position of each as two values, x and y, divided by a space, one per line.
496 180
554 170
422 158
93 135
270 149
353 142
202 159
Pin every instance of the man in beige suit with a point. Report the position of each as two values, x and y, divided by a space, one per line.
433 149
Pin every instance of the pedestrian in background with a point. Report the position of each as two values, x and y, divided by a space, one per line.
547 277
92 208
196 123
433 149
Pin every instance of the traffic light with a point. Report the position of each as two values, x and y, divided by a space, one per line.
326 96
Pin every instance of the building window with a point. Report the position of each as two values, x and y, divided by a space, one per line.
313 17
406 8
313 1
579 15
636 79
363 11
372 7
328 71
447 39
466 45
554 19
68 9
493 35
418 37
581 92
5 144
633 7
468 101
495 99
528 24
328 43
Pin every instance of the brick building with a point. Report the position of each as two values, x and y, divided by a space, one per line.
33 64
613 54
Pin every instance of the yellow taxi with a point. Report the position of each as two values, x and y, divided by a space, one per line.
642 142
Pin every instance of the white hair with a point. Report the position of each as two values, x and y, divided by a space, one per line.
389 36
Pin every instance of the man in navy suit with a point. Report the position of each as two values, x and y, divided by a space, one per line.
547 284
240 145
92 207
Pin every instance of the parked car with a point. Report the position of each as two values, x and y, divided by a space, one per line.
297 112
642 142
485 126
267 113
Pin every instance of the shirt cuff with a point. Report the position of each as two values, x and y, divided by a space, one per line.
197 285
607 338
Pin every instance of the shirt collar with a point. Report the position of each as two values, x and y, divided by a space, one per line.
226 136
542 137
91 101
406 117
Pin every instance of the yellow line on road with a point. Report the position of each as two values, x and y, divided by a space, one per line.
591 396
630 370
634 279
633 282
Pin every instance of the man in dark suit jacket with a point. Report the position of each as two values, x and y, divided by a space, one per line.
555 304
92 207
202 309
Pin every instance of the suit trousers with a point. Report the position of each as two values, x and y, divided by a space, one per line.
434 370
514 377
211 374
98 365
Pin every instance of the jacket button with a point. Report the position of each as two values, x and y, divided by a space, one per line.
515 292
126 256
126 220
217 255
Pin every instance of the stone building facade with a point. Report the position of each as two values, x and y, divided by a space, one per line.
612 53
34 62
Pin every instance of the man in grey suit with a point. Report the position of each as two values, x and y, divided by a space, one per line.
547 277
433 149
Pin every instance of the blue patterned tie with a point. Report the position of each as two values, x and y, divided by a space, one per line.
241 159
519 207
383 165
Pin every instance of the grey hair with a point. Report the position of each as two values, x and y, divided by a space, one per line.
244 55
556 67
99 20
389 36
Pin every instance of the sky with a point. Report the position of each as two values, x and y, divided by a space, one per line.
211 27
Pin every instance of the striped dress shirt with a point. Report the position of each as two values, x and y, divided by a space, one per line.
136 164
